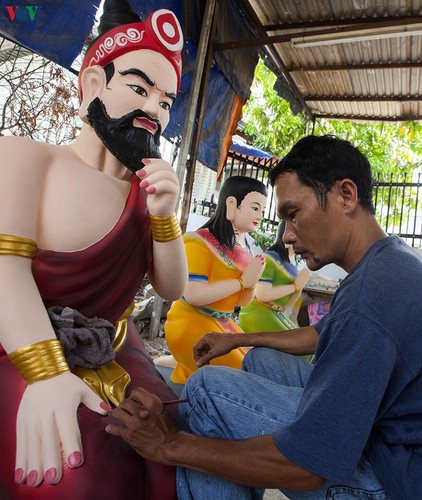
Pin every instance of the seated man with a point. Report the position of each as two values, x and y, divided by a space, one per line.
79 232
349 426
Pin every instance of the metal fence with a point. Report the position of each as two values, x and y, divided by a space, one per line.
397 198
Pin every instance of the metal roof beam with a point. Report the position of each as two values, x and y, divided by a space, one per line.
352 98
403 118
356 67
396 20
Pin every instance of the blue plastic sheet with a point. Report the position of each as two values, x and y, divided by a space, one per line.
54 29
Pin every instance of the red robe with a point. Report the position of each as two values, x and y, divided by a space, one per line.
100 281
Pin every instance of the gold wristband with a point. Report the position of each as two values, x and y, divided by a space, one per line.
16 245
297 290
242 285
250 289
40 361
165 228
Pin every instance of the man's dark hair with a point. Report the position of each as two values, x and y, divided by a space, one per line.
320 162
238 186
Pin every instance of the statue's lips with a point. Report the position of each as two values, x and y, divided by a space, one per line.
147 124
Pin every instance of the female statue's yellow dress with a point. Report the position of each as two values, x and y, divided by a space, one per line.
186 324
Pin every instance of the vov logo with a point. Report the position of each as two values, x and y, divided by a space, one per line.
22 12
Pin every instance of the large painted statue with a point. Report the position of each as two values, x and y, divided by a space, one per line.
79 230
222 274
278 292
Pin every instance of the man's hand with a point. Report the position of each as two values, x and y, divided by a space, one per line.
213 345
145 425
47 423
160 181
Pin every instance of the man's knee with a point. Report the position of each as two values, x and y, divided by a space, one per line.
259 355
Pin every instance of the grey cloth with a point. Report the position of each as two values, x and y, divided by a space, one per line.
86 342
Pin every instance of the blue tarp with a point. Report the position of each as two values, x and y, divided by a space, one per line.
55 29
245 149
58 29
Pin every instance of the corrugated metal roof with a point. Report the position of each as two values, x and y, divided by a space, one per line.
369 77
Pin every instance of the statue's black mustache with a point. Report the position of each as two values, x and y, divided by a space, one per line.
127 120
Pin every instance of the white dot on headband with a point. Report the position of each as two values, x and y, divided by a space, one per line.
169 30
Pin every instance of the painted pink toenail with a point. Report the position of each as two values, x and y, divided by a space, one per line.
50 475
31 478
18 475
74 459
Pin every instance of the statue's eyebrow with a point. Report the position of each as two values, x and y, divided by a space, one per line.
138 72
146 78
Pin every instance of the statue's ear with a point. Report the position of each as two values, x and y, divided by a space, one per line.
231 206
93 82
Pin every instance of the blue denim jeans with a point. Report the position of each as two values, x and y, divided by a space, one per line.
261 399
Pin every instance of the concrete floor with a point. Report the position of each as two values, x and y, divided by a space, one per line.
274 495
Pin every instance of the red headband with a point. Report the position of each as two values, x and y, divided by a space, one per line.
160 32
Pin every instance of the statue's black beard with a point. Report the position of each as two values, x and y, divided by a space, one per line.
127 143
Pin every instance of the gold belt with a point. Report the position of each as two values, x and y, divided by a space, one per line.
111 380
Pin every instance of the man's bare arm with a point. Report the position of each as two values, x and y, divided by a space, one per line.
301 341
154 435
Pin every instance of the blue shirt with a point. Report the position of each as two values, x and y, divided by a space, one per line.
364 394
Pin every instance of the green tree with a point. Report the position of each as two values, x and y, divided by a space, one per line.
390 147
393 149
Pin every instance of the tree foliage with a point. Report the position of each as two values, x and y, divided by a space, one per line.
390 147
39 99
393 149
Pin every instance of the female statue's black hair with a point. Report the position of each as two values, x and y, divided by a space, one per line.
237 186
278 246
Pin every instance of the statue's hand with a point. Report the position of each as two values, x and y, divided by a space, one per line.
162 185
302 278
254 270
47 428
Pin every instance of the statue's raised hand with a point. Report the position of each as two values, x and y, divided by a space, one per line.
160 181
253 272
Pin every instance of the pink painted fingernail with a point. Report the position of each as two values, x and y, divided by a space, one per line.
144 184
105 407
151 190
141 173
50 475
145 161
18 475
75 459
31 478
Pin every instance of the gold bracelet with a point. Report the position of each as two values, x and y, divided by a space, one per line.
17 245
297 290
165 228
40 361
242 285
250 289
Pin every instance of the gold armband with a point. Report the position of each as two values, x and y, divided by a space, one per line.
165 228
242 285
16 245
250 289
297 290
40 361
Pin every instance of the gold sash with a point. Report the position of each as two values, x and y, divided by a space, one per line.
111 380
